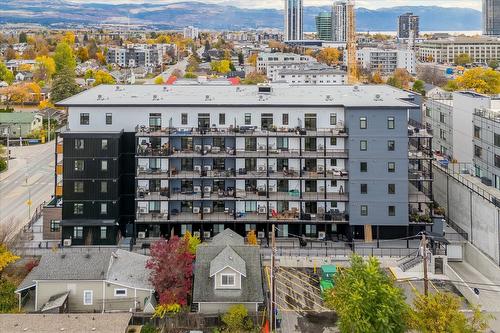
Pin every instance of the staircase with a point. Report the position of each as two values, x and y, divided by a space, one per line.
410 263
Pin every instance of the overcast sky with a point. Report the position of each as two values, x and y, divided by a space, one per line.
372 4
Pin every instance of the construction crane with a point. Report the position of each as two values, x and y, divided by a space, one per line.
352 59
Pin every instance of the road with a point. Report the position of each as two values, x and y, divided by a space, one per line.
30 176
181 65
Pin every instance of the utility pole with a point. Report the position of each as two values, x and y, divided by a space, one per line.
424 254
272 318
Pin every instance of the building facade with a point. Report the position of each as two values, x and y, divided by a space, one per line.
317 160
139 55
324 26
486 140
480 49
271 63
191 32
408 26
438 118
491 17
294 20
386 60
311 74
340 21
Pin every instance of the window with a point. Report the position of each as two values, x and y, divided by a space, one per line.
84 118
333 119
478 151
333 162
497 140
333 141
392 210
310 121
227 280
104 165
87 297
282 143
103 232
477 132
78 208
364 188
248 118
104 208
390 122
363 166
497 161
363 145
391 167
364 210
77 232
79 165
55 225
184 118
250 144
119 292
109 118
78 187
222 118
391 188
442 134
79 144
104 187
391 145
441 117
333 183
363 124
104 144
285 119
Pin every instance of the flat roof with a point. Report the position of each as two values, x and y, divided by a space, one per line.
281 94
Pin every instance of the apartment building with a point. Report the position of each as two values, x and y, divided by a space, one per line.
386 60
191 32
316 160
310 74
480 49
324 26
486 140
271 63
294 20
438 118
139 55
340 21
491 17
408 26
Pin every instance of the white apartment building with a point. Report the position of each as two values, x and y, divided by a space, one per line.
339 21
191 32
139 55
311 74
480 49
386 60
271 63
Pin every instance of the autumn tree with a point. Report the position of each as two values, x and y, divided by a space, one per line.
6 74
366 300
493 64
159 80
15 94
8 297
102 77
236 319
483 81
440 313
252 59
221 66
64 57
6 257
172 285
418 86
192 242
10 54
64 85
463 59
254 78
400 79
45 67
69 38
83 54
23 38
329 56
431 74
251 238
3 158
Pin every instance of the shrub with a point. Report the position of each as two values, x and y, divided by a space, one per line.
236 319
148 328
31 264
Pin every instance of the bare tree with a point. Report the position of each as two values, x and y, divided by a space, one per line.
9 232
431 74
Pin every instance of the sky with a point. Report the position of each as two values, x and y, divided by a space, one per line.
371 4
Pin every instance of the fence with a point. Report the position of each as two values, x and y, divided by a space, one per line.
339 252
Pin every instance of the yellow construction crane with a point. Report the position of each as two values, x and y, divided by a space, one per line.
352 59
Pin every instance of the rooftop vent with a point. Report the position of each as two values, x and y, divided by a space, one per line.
329 98
155 98
355 88
378 97
99 97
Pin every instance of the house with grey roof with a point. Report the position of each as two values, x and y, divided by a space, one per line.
16 124
227 272
104 281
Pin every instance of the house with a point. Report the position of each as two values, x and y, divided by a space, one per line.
20 123
102 281
227 272
24 76
81 323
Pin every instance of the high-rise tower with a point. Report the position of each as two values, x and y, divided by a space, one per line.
491 17
294 20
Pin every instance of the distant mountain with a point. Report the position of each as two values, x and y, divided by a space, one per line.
219 17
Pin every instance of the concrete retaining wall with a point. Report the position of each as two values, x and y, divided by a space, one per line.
481 262
467 292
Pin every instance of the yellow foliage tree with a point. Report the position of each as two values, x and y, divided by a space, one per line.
45 104
159 80
45 67
329 56
6 257
377 78
164 310
25 68
252 59
192 242
83 54
221 66
251 238
102 77
482 80
69 38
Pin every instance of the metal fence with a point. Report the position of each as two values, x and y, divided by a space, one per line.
339 252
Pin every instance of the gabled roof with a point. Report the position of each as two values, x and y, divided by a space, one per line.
228 237
228 258
129 268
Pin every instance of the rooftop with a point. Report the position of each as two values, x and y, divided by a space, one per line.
463 40
16 117
282 94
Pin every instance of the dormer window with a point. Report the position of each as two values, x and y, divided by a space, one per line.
228 280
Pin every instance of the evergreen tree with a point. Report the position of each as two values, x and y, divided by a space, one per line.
23 38
64 85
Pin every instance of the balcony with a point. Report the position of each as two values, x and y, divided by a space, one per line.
147 195
151 217
149 173
150 151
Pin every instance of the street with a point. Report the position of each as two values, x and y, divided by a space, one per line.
30 176
181 65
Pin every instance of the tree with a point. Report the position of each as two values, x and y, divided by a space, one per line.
440 313
6 257
251 238
329 56
83 54
192 242
10 54
159 80
254 78
102 77
172 285
366 300
6 74
431 74
400 79
207 45
463 59
64 85
221 66
190 75
64 57
23 38
69 38
45 67
236 319
493 64
241 58
15 94
377 78
3 158
8 298
252 59
418 86
483 81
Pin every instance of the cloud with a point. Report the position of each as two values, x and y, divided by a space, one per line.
371 4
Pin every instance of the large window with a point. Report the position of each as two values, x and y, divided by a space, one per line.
391 123
477 132
441 117
77 232
204 120
285 119
363 123
478 151
363 145
363 166
104 187
364 188
103 232
333 119
250 144
228 280
364 210
104 165
78 187
282 143
248 119
184 118
109 118
222 118
84 118
78 208
88 297
104 144
497 140
391 188
391 167
391 211
267 120
55 225
497 161
79 165
104 208
155 121
79 144
310 121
